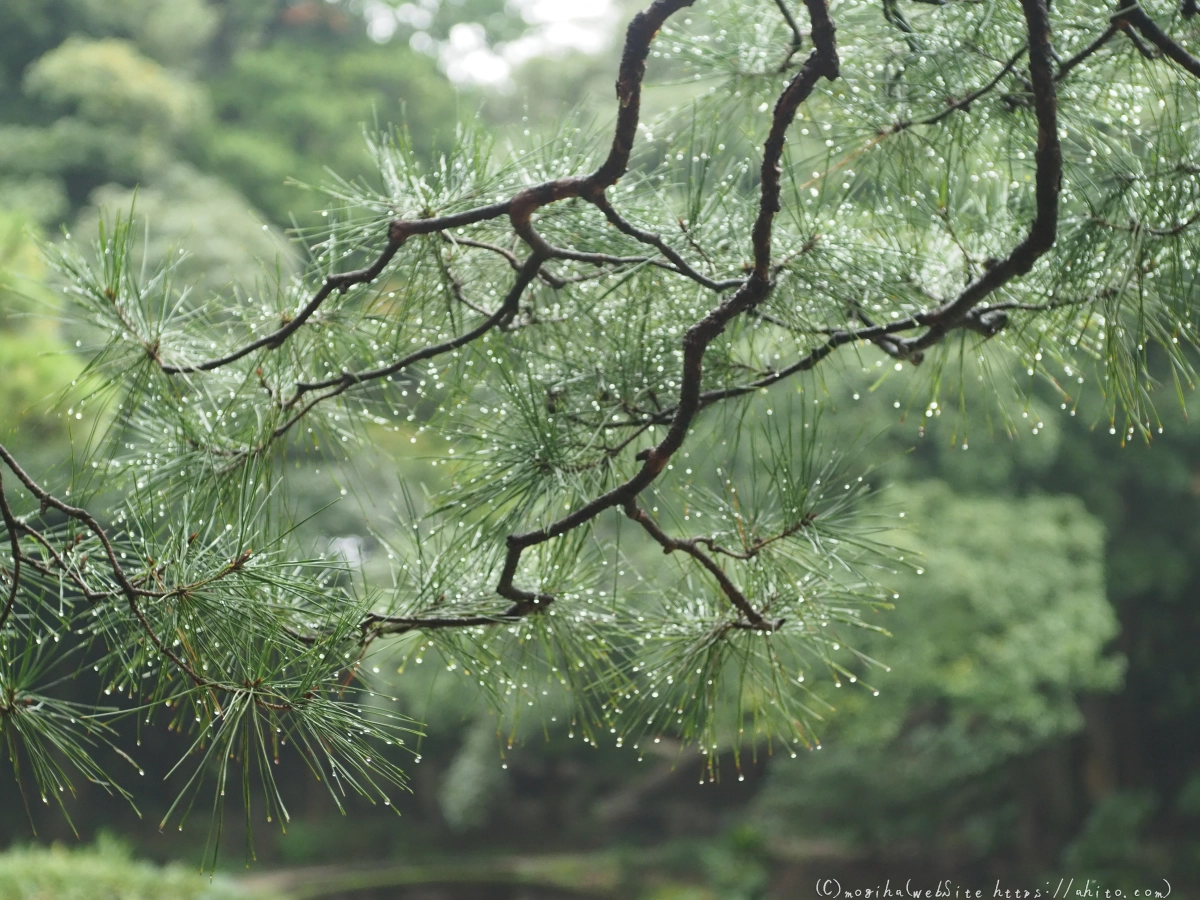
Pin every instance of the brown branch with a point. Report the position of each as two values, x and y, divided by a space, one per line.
340 282
886 342
456 288
1048 183
670 545
598 259
1065 68
399 231
1144 50
520 209
797 36
14 539
747 293
51 572
59 561
894 17
638 37
1137 17
127 587
822 62
956 105
502 319
1140 228
987 320
508 256
340 384
965 102
758 546
130 591
903 125
654 240
376 624
609 259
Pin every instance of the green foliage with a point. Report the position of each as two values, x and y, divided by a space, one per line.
495 16
226 245
173 32
293 110
735 867
42 198
97 93
21 272
1002 628
91 110
593 404
105 871
72 157
994 638
108 82
1109 846
27 29
473 779
38 368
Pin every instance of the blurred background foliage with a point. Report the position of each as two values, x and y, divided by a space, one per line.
1041 712
107 869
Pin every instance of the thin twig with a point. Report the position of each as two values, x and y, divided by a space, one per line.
14 539
670 544
1087 51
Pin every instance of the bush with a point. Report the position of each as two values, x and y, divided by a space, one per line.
105 871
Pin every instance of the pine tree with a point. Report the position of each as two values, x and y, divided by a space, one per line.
614 339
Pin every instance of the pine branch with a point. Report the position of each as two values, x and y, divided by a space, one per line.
588 395
1137 17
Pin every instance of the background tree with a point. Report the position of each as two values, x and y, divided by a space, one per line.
573 383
